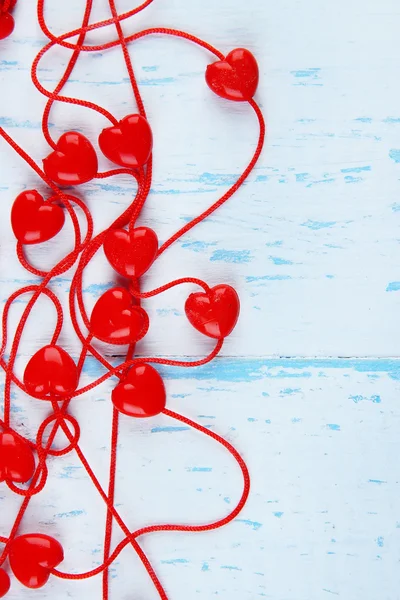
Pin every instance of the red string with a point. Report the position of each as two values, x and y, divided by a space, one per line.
169 527
115 422
66 76
81 255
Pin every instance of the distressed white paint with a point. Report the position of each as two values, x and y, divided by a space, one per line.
324 197
321 439
311 243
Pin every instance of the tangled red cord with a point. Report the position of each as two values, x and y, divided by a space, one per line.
118 317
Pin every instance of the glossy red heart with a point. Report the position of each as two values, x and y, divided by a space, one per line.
33 220
131 253
116 319
33 556
51 371
141 393
5 583
7 25
236 77
214 313
17 463
74 161
129 144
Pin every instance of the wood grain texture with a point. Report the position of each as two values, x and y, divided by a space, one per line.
320 438
311 243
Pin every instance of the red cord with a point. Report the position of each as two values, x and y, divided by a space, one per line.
168 527
81 255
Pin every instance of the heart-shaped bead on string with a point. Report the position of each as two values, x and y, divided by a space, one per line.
51 371
17 462
118 318
141 393
131 253
5 583
7 25
33 220
7 22
73 162
128 144
215 312
235 77
32 557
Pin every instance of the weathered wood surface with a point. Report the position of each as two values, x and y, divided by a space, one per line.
311 242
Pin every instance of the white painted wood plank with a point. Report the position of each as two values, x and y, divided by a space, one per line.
311 241
320 438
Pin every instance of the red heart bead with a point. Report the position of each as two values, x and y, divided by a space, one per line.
16 458
236 77
5 583
33 556
129 144
131 253
51 371
116 320
214 313
74 161
33 220
7 25
141 393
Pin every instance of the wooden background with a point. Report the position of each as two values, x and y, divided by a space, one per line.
307 385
